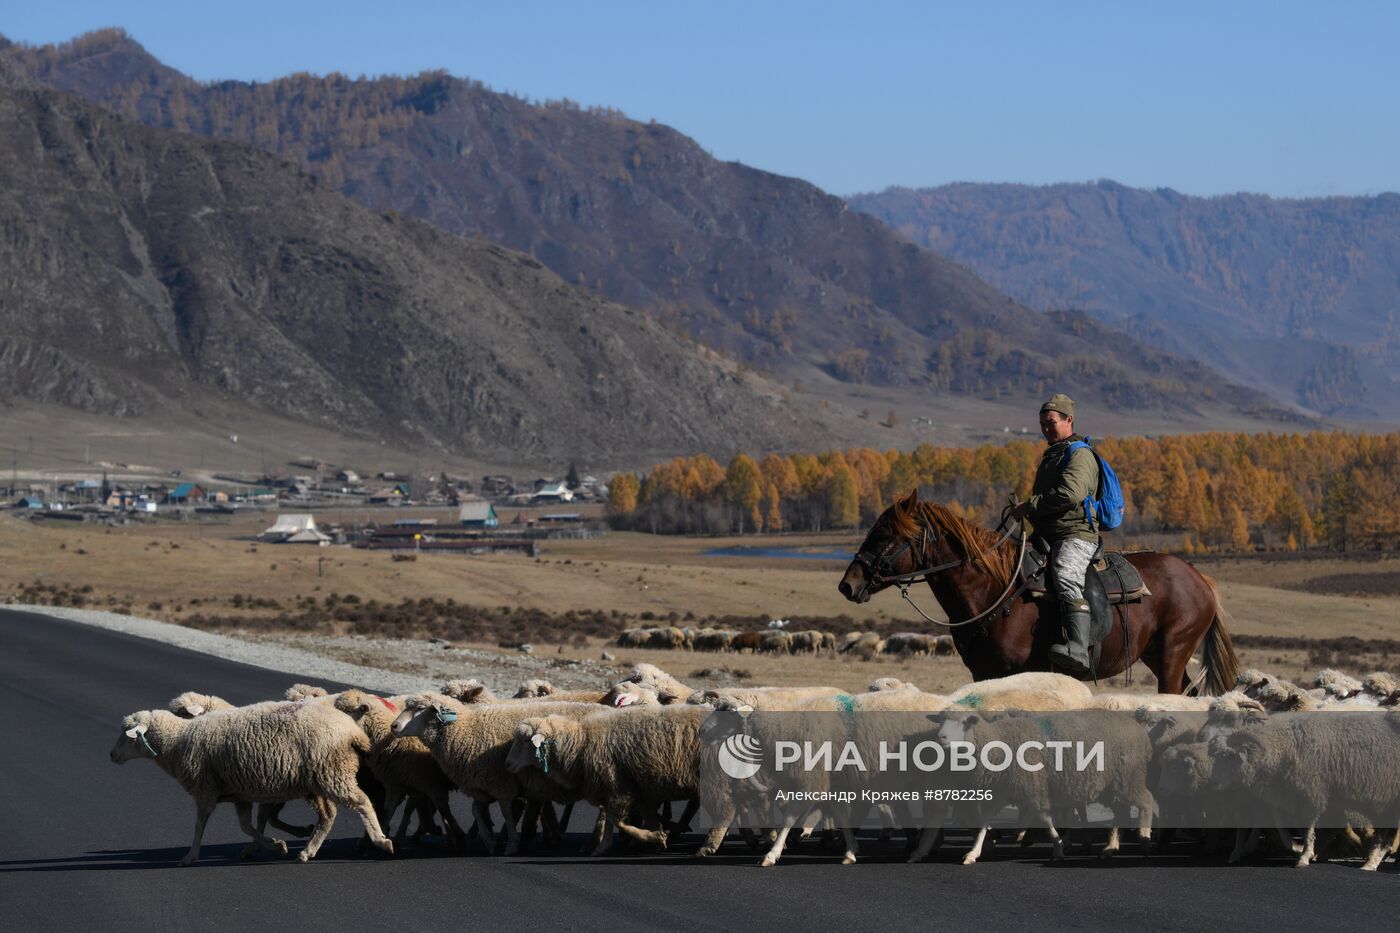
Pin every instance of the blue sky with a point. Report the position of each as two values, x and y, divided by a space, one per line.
1289 99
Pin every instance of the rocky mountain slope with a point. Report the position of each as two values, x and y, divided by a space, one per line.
150 272
1300 298
768 268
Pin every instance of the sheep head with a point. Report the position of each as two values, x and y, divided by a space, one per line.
133 741
468 691
422 713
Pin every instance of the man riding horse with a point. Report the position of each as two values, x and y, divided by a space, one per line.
1064 479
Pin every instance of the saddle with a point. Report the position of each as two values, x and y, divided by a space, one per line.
1110 581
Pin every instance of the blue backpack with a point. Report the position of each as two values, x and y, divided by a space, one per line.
1105 507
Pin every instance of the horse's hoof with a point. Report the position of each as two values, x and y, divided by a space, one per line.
303 857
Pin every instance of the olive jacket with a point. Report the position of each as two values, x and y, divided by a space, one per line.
1057 497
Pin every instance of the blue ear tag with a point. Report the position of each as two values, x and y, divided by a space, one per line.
445 716
542 755
146 743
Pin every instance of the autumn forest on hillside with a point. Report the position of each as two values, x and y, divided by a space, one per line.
1216 492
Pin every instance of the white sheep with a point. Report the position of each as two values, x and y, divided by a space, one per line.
765 698
657 680
887 683
1039 793
1336 684
1032 690
267 753
627 693
1313 766
470 741
622 762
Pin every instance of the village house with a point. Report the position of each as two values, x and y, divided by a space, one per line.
478 513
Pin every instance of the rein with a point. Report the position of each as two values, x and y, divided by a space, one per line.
872 566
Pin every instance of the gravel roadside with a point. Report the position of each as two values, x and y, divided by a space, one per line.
384 665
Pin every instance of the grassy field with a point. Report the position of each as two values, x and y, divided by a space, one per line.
215 573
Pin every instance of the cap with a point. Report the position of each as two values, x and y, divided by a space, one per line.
1061 403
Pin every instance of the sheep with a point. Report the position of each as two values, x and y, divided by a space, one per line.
627 693
469 743
1032 690
776 641
1318 767
265 753
747 641
828 642
944 645
1037 793
764 698
190 704
534 688
633 638
711 640
544 690
669 638
403 765
469 691
1336 684
1385 687
620 762
864 645
803 642
305 692
916 644
887 683
654 678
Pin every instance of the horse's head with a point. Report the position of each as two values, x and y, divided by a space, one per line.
898 543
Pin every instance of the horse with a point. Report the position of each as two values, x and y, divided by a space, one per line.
971 570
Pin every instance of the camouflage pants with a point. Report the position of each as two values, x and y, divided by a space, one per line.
1070 558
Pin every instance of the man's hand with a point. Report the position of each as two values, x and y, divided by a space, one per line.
1021 510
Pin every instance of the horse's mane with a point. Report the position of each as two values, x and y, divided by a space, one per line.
966 538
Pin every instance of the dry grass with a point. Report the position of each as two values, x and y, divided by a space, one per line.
214 568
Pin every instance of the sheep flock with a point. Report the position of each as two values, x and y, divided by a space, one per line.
642 751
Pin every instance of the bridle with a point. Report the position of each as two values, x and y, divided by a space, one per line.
879 569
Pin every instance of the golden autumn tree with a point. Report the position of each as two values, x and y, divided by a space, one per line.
743 489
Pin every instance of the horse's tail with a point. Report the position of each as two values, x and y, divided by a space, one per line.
1219 666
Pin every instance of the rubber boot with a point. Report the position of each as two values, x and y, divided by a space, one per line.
1072 657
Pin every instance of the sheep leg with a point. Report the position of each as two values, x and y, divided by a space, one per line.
355 799
270 812
1380 848
1057 851
723 813
1110 848
928 841
393 796
975 852
245 821
564 819
325 819
512 831
1309 846
528 822
609 822
423 806
1245 842
481 822
201 816
692 807
454 830
849 857
775 853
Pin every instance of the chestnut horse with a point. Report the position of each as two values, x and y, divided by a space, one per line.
1164 629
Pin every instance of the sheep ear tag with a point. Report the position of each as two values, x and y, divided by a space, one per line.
537 739
445 716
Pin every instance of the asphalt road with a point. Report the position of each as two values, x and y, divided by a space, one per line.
84 844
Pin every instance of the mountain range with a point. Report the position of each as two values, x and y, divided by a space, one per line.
768 269
147 272
1299 298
